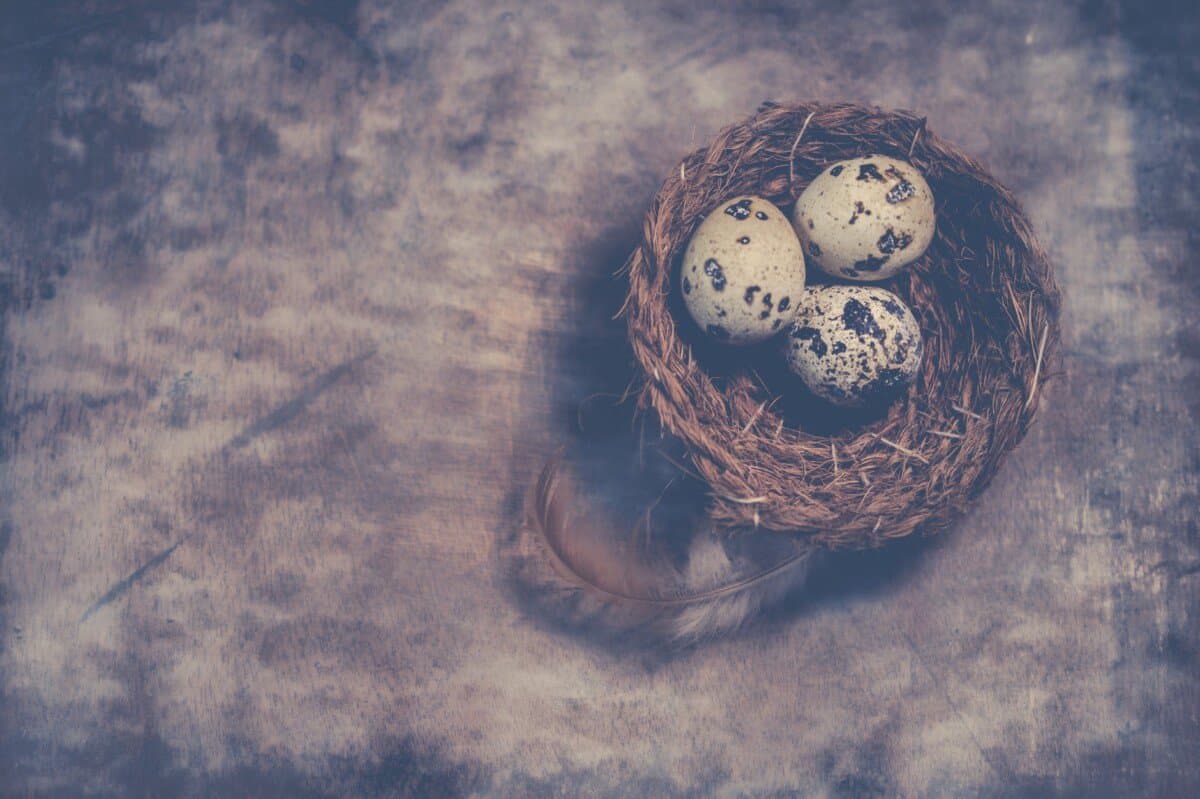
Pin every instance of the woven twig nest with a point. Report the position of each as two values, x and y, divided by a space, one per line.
984 296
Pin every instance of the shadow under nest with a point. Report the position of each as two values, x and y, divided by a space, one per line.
728 485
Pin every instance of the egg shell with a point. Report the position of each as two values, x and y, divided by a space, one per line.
742 271
854 345
865 219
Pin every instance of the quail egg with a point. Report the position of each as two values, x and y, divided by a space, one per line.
742 271
865 219
854 345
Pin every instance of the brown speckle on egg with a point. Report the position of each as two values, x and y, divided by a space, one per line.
882 386
713 270
900 192
870 264
859 209
816 344
870 172
740 209
889 242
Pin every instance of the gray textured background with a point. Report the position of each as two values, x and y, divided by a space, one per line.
297 295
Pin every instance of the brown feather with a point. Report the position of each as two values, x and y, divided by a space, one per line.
594 579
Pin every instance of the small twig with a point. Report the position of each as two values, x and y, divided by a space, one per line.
754 418
1037 367
1016 305
916 136
943 434
682 174
878 521
792 154
966 412
833 454
743 501
900 448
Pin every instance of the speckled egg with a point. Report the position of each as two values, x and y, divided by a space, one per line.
854 345
742 271
865 219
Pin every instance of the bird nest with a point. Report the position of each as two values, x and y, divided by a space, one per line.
983 294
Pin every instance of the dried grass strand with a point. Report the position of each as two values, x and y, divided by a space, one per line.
904 449
916 135
966 412
1037 369
792 152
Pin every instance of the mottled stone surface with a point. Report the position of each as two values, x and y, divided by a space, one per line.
298 295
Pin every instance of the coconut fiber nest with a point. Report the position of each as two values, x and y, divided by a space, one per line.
983 294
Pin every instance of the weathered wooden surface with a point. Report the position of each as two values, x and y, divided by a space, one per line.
299 294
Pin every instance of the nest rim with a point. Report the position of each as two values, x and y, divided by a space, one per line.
985 296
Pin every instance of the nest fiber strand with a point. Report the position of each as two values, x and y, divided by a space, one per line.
983 294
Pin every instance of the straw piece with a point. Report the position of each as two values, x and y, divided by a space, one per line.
903 449
966 412
744 500
1037 369
916 135
754 417
792 154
